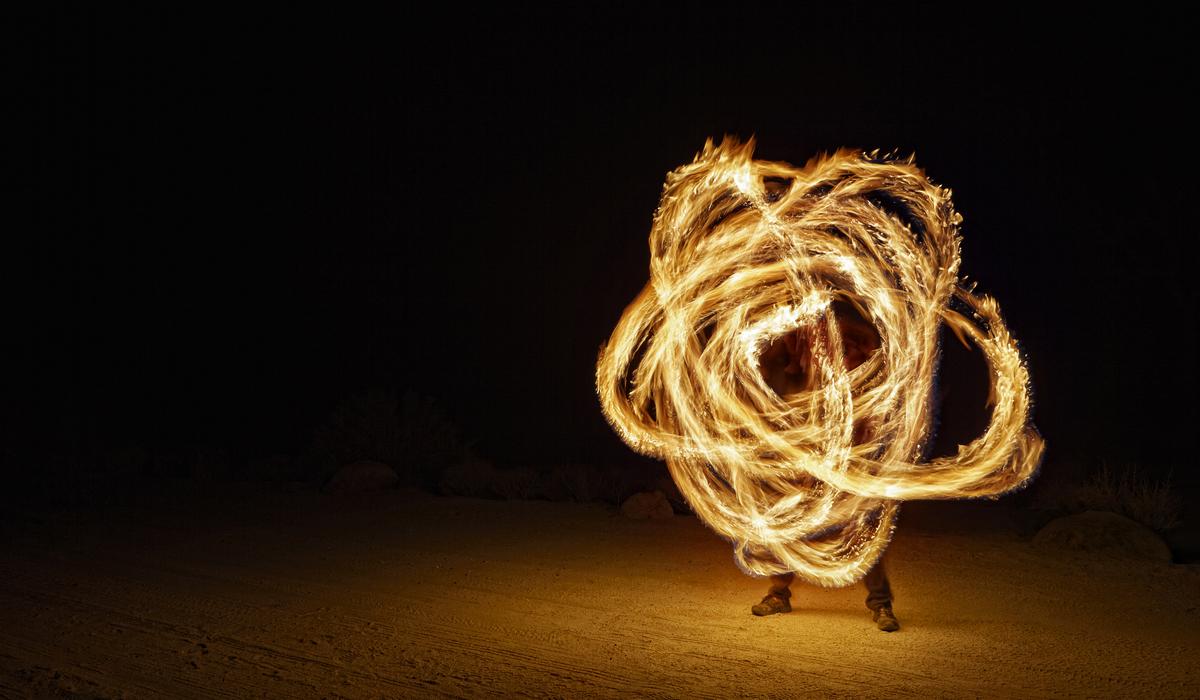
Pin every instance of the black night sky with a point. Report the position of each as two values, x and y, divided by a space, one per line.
222 225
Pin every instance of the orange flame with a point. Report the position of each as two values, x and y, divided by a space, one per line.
746 252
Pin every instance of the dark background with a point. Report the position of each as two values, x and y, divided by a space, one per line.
222 225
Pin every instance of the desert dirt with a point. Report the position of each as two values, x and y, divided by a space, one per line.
250 592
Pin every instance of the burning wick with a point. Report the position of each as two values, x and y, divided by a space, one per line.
747 255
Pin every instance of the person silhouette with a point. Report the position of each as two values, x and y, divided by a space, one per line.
786 368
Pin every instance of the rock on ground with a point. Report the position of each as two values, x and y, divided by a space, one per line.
1103 532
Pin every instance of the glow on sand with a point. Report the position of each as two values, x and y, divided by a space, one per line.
743 252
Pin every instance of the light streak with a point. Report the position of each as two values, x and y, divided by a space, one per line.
744 252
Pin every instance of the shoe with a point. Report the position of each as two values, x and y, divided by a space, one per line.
773 603
885 619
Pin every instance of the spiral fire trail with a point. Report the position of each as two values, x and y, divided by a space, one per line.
744 252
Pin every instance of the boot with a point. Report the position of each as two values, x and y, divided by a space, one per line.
885 620
773 603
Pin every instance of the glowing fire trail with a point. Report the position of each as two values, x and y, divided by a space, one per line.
744 252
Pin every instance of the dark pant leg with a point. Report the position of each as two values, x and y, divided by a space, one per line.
879 590
780 583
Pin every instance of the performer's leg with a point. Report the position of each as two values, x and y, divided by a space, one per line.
879 589
780 583
879 598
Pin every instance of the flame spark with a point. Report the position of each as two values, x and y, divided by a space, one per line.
744 252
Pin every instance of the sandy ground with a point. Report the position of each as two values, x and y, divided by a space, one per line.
247 593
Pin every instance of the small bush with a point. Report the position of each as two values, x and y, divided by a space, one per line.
585 483
275 467
472 477
520 484
411 434
1131 493
581 483
578 482
479 478
429 441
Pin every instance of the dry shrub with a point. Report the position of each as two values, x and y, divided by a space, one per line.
478 478
520 484
578 482
1130 492
582 483
409 433
472 477
429 441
